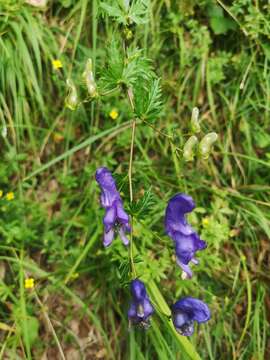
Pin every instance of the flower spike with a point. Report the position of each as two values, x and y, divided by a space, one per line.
140 308
187 242
115 216
186 311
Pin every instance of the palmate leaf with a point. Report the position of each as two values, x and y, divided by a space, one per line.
138 12
127 71
137 68
115 10
111 74
123 13
148 100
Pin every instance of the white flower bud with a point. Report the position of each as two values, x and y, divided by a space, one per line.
189 149
184 275
206 144
195 126
71 100
89 79
4 131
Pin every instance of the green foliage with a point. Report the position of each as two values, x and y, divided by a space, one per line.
202 55
148 100
31 330
124 71
127 12
216 67
143 206
219 23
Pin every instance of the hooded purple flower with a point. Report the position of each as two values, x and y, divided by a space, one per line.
115 215
187 241
140 308
186 311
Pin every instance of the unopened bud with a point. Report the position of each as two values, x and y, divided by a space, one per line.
4 131
206 144
184 275
72 100
128 34
195 126
190 148
89 79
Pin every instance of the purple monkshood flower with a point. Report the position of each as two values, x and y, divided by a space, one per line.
115 216
140 308
187 241
186 311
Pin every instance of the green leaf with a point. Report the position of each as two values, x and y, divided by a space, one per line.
262 138
184 343
32 327
215 11
136 13
127 70
218 22
115 11
144 205
220 25
148 100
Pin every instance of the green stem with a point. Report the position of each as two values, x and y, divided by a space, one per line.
249 301
158 131
130 97
131 160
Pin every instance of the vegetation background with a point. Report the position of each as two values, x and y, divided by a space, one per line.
211 54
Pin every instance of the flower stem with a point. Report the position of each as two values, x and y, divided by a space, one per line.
131 160
130 97
157 130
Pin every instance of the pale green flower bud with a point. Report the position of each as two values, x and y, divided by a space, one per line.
190 148
4 131
195 125
89 79
71 100
206 144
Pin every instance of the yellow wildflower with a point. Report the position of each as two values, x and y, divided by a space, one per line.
10 196
29 283
233 233
114 114
57 64
128 34
57 138
205 221
1 193
75 276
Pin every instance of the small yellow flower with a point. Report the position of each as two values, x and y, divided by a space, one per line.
75 276
10 196
29 283
57 64
128 34
205 221
233 233
1 193
114 114
57 138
